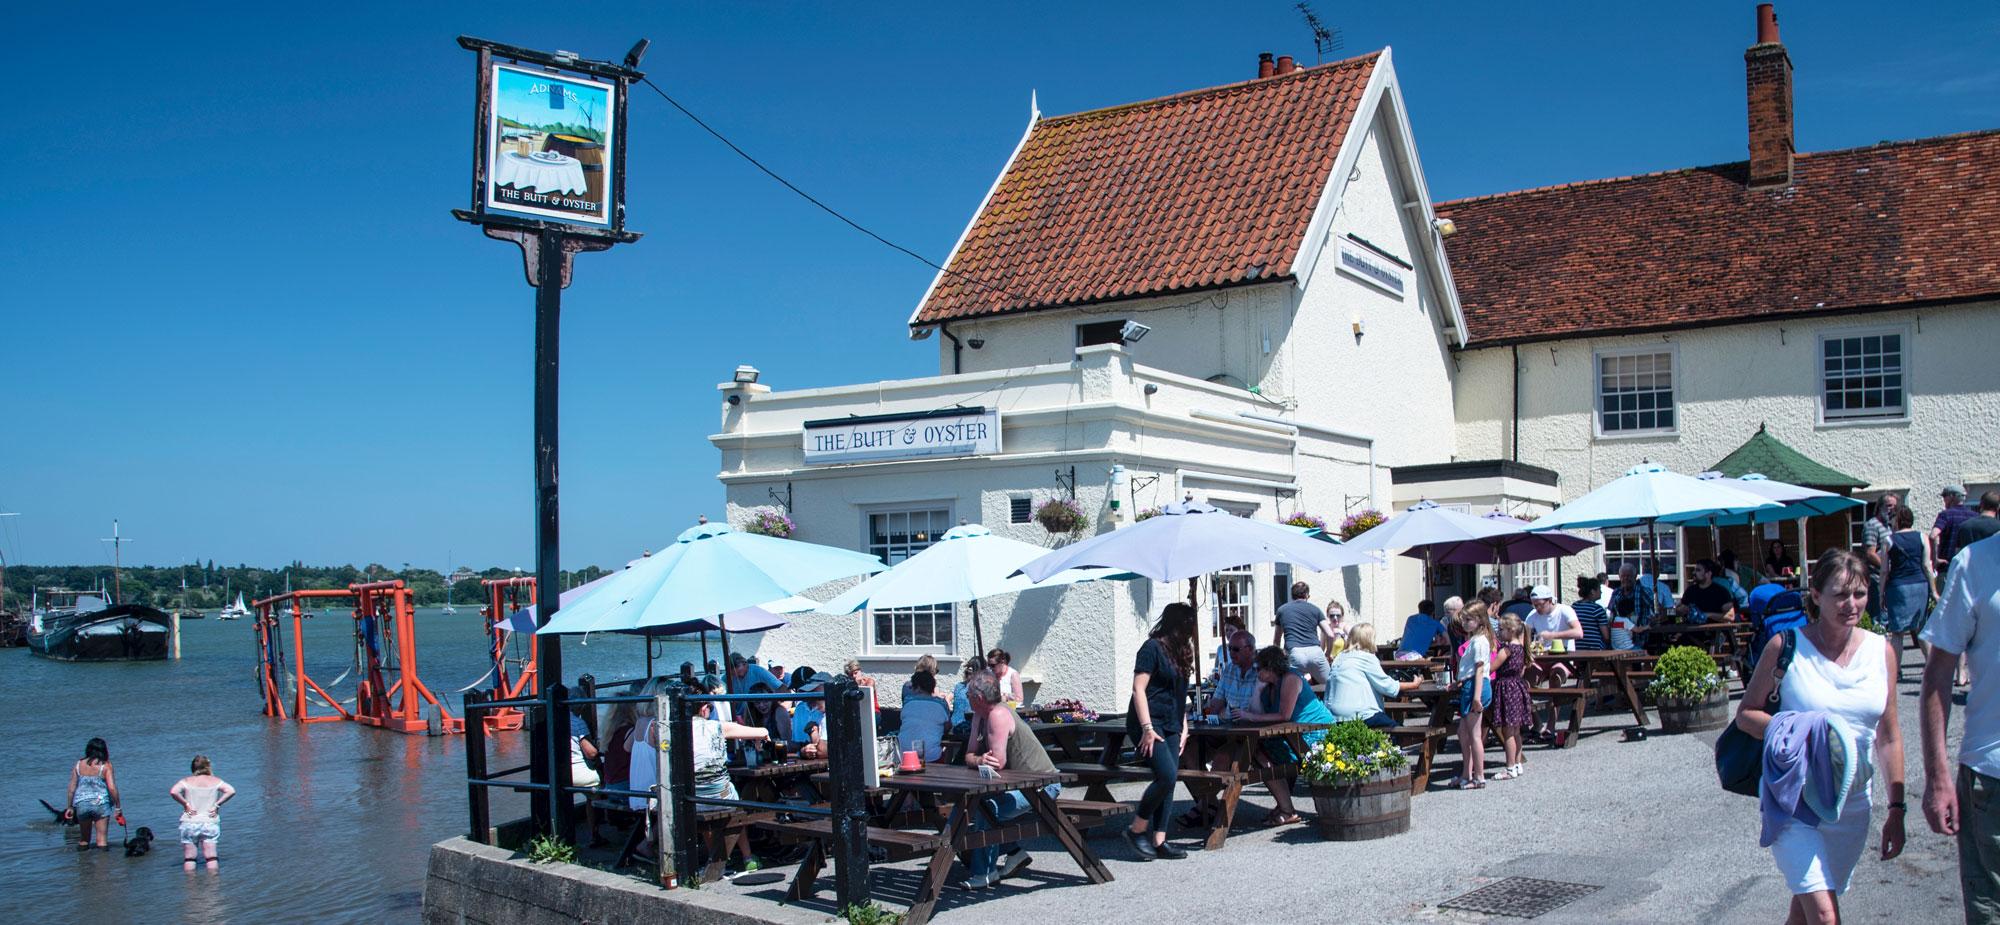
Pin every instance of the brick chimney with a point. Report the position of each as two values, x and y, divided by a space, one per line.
1768 73
1264 66
1286 65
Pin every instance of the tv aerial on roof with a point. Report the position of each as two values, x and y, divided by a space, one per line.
1326 40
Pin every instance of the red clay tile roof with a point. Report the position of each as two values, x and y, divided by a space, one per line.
1195 191
1897 224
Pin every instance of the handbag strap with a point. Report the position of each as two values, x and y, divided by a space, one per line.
1791 637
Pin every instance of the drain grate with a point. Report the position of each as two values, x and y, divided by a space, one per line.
1520 897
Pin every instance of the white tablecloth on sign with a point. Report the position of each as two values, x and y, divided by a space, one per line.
543 172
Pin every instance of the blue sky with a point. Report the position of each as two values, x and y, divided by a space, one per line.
239 317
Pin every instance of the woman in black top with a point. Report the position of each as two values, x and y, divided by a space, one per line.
1159 707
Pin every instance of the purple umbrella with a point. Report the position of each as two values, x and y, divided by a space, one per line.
1505 548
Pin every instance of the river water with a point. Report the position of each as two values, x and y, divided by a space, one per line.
332 822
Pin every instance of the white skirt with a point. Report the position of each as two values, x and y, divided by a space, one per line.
1819 859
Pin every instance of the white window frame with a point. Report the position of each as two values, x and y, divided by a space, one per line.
1671 564
949 646
1844 416
1597 358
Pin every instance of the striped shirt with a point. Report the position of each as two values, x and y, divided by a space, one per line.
1596 624
1236 686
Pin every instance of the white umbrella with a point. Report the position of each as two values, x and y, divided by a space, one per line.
1189 540
1424 524
968 563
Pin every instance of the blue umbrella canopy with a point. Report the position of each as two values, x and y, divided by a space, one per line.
1795 501
710 569
1650 493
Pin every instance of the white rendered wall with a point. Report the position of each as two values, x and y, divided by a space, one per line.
1731 379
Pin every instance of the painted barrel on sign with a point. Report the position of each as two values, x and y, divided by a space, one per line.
1680 715
1374 808
588 153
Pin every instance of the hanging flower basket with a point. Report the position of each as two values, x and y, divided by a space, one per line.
769 521
1308 521
1060 516
1360 522
1147 514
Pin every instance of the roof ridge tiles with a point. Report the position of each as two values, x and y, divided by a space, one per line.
1725 166
1186 95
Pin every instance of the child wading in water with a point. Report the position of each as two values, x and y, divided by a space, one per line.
201 795
1475 694
1511 707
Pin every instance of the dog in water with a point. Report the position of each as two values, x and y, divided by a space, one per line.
140 843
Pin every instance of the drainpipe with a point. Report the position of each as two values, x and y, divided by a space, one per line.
957 348
1516 351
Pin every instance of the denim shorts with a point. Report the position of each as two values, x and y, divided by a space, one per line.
1465 695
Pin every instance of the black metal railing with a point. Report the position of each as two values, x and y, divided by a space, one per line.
849 756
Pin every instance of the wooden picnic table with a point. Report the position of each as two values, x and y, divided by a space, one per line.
959 790
1244 742
1066 740
1716 638
1441 698
766 783
1615 665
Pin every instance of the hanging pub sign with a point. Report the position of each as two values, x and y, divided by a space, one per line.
883 437
549 140
548 144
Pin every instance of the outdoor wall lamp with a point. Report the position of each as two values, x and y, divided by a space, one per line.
1133 332
746 375
1445 227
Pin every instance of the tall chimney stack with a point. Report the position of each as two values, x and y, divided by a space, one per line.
1264 66
1286 65
1768 74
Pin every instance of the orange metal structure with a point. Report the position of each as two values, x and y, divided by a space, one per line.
385 641
505 597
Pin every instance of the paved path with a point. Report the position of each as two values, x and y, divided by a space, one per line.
1645 820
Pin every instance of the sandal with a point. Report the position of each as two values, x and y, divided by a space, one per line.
1277 819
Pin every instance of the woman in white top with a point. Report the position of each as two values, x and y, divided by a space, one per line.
1001 663
1843 670
201 795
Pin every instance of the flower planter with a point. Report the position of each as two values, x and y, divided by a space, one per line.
1377 807
1678 714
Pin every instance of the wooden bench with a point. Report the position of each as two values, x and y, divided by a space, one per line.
1097 779
1427 740
1578 699
897 844
1089 814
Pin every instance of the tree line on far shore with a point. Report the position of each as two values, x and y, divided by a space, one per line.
210 586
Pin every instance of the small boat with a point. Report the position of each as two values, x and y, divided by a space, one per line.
89 631
448 571
13 629
189 614
234 611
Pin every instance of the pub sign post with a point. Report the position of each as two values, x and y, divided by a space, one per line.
548 173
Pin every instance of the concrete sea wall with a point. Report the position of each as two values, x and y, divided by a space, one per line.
473 884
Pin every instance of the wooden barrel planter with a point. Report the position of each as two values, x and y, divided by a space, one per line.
1374 808
1681 715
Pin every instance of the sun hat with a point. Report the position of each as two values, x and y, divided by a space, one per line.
1845 758
1541 593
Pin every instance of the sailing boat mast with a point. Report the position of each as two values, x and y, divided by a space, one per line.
117 561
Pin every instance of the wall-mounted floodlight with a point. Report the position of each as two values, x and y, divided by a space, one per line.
1133 332
746 375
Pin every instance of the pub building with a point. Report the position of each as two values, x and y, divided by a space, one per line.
1245 295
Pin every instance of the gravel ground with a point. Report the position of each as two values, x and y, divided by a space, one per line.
1643 820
